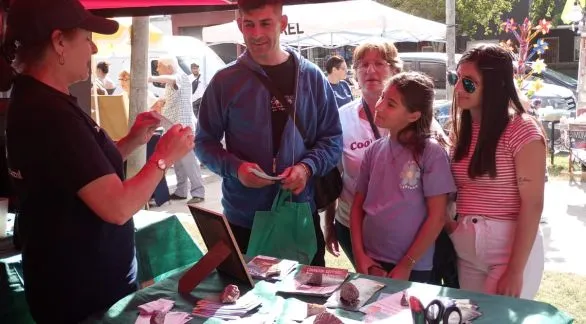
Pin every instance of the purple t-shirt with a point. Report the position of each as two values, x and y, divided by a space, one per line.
395 188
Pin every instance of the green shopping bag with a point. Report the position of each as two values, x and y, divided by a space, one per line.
285 232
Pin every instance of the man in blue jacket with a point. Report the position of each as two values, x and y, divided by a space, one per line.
258 131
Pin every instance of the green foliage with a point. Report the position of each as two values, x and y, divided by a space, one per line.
548 9
471 15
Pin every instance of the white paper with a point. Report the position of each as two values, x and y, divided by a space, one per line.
263 175
366 288
165 122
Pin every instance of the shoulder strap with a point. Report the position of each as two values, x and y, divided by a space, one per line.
286 104
370 119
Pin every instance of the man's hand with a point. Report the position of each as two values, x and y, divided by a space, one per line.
249 179
295 178
331 238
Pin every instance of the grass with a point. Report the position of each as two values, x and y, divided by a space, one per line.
565 291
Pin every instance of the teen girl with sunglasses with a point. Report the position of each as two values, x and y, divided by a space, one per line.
402 191
498 162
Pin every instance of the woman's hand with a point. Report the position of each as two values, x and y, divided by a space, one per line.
402 271
143 128
366 265
175 144
332 240
510 283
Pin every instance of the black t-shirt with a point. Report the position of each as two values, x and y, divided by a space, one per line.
283 76
74 262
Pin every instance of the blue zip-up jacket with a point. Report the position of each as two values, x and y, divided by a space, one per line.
236 106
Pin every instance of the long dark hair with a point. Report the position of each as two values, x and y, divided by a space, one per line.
417 94
498 96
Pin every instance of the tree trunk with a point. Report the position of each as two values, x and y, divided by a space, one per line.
138 85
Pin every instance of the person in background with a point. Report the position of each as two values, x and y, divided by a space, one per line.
153 103
336 68
499 155
103 83
198 87
75 206
402 192
258 130
376 62
177 108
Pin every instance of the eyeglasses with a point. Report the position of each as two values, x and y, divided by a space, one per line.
377 65
123 79
468 84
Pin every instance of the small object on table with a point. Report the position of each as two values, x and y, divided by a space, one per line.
404 301
327 318
158 318
315 309
316 279
349 294
436 313
417 310
230 294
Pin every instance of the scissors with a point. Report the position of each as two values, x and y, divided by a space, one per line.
437 313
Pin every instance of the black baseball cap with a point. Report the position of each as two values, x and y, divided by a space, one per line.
32 21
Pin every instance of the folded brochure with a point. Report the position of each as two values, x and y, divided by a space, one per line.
269 268
314 281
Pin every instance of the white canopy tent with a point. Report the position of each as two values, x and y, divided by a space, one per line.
342 23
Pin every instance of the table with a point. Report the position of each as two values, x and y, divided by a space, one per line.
552 124
495 309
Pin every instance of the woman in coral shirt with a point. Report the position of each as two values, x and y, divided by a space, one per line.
498 163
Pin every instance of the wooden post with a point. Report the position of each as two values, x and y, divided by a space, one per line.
450 41
139 42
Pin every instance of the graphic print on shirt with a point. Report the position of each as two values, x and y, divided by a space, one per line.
410 175
276 105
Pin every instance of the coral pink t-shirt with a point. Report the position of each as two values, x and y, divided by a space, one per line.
498 197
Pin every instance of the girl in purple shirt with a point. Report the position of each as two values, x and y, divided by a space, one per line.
402 191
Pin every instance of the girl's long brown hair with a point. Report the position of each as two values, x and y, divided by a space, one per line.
417 94
499 95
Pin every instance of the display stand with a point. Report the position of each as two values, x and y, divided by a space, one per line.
223 252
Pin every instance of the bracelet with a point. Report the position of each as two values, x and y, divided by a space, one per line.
306 169
411 260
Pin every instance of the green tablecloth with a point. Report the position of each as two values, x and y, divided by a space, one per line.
495 309
162 245
13 306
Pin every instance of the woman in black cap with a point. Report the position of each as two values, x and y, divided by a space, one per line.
75 206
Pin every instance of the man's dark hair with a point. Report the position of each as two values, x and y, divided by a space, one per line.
194 65
334 61
248 5
104 67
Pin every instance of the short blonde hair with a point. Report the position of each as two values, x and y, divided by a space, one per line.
387 50
124 75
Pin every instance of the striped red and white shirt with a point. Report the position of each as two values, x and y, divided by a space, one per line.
498 197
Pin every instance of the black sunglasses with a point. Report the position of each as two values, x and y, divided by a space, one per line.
468 85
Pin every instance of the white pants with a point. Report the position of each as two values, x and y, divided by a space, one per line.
188 168
484 248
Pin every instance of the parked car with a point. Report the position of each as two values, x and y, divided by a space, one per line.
434 65
555 77
442 111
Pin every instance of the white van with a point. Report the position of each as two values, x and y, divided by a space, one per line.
187 50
